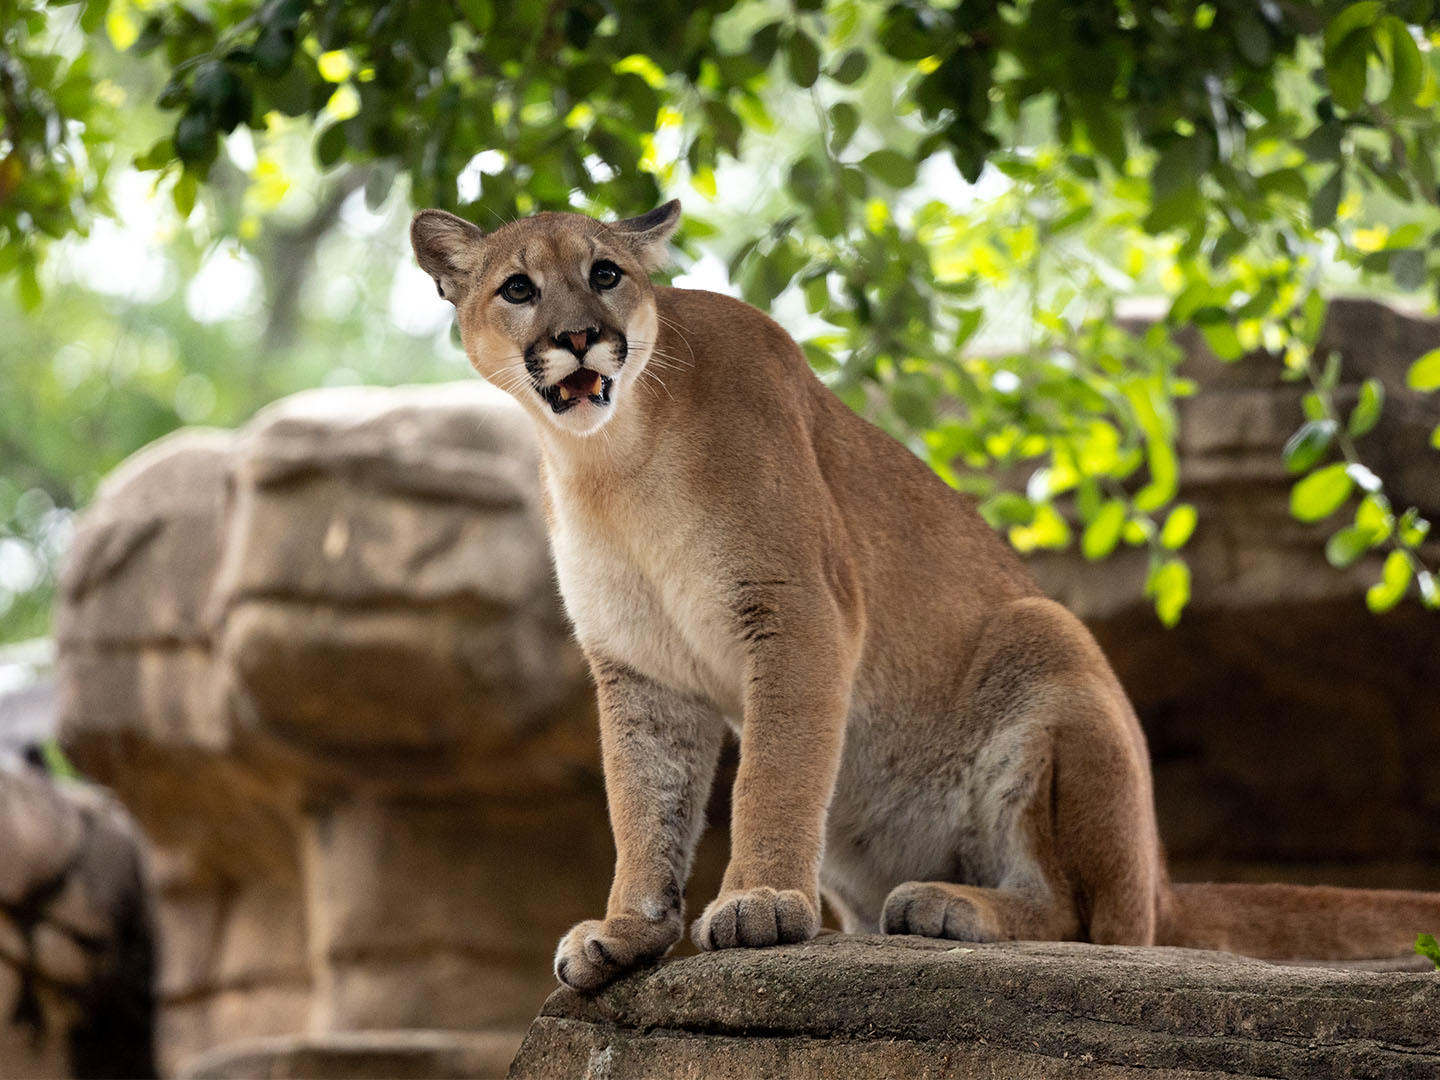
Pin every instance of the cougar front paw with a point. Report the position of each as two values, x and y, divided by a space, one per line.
756 917
598 950
932 910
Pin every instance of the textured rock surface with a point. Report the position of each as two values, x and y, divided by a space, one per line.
76 939
322 661
888 1007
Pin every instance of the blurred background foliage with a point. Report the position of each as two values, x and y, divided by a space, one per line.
202 207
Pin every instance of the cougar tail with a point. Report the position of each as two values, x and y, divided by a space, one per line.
1297 922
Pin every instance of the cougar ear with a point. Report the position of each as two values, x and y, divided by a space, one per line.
646 235
448 249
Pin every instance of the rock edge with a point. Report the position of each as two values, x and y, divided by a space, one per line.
871 1006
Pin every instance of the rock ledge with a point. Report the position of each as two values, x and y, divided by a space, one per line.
881 1007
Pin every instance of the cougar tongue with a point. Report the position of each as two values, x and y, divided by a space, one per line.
580 383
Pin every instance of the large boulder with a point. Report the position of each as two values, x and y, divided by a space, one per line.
901 1006
323 663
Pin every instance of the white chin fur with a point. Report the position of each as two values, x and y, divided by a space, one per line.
583 419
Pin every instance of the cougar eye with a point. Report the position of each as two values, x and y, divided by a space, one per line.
604 275
517 289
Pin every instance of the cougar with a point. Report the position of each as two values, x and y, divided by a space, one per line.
924 737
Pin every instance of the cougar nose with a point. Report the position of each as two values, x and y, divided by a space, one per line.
577 341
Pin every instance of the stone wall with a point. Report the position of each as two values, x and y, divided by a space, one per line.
322 662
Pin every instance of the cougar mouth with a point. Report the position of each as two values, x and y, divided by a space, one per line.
582 384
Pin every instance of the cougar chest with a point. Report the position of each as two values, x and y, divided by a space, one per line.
639 592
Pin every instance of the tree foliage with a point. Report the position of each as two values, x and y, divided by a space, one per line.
929 176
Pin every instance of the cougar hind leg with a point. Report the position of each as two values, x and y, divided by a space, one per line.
1071 827
1029 899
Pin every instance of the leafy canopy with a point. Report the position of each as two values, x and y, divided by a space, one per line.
1239 158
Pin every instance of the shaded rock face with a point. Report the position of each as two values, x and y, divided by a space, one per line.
76 933
911 1007
1290 729
322 661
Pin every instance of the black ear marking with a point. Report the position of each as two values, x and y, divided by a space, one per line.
661 216
647 234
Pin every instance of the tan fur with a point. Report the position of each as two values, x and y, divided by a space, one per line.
735 545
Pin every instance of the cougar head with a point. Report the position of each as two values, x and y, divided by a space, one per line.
557 309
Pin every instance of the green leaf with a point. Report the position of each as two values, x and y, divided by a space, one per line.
1164 476
1223 341
1287 182
195 139
803 59
1179 527
1374 517
891 166
764 42
817 293
1346 546
92 17
1435 438
1007 508
1323 143
183 194
844 119
1048 530
479 13
1394 580
1307 446
968 322
1349 39
1367 409
1326 200
1413 528
1169 584
911 32
1345 69
806 176
1350 19
1424 374
1103 533
1406 64
851 68
1427 947
1321 493
1330 375
330 145
1252 39
820 358
274 49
